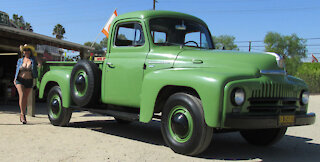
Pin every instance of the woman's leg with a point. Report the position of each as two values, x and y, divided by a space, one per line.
26 92
20 89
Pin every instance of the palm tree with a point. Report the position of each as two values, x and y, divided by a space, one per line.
15 18
28 27
59 31
19 22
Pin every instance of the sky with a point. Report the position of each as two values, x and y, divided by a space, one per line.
246 20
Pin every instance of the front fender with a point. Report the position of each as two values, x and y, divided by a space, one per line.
208 86
63 79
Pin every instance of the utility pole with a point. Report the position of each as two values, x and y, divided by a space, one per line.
154 4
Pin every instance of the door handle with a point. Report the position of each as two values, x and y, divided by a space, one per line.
110 65
195 61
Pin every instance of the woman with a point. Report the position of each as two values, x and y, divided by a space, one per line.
25 73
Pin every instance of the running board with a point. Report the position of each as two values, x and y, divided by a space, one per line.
132 116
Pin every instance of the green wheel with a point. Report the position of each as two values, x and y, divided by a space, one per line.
58 115
182 125
263 137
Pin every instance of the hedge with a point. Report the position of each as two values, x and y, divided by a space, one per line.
310 73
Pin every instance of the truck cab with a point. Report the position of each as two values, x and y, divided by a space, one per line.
162 64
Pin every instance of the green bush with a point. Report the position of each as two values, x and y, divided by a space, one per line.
292 65
310 73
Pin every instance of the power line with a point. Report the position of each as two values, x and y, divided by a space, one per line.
263 41
246 41
251 46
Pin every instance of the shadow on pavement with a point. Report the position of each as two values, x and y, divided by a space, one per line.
231 146
224 146
148 133
12 107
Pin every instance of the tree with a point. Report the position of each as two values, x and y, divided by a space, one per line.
101 47
225 42
122 37
59 31
104 43
98 48
160 40
20 23
290 47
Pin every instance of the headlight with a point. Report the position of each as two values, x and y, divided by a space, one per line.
237 96
304 99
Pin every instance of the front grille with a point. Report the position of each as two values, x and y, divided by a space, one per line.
276 105
274 90
273 97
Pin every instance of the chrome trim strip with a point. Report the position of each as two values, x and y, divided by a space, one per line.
159 62
274 72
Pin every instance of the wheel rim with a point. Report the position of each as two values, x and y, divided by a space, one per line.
80 83
180 124
55 106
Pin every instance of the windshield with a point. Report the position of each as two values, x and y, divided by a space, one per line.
171 31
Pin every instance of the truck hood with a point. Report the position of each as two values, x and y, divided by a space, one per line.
224 61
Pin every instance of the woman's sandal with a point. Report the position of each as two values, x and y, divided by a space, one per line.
23 119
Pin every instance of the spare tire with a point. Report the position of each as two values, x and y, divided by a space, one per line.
85 83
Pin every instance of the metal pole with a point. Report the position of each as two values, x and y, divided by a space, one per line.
98 35
95 39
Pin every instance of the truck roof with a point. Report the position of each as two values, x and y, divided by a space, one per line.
157 13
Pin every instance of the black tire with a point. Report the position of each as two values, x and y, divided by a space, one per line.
263 137
58 115
85 83
183 126
122 121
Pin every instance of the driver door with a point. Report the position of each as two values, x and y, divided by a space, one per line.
124 66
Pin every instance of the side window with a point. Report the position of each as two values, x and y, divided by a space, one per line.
129 34
159 37
196 39
204 41
193 38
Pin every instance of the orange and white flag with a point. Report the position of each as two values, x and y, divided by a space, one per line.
314 59
106 28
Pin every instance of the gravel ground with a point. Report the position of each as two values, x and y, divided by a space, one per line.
98 138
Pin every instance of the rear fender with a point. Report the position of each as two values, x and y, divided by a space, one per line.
63 79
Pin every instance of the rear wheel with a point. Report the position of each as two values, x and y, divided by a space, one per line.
58 115
183 126
263 137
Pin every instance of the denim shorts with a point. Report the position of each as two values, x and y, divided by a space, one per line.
27 83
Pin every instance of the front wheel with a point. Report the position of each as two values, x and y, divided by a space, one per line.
263 137
58 115
182 125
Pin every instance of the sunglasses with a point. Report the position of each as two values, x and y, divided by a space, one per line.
27 49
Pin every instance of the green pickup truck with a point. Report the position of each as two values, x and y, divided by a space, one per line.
162 65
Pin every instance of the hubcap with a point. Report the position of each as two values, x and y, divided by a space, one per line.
55 106
179 124
80 83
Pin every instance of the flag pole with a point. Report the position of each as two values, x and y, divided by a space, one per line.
98 34
95 39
